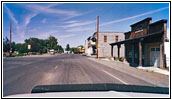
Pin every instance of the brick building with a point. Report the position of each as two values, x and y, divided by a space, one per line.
104 49
144 44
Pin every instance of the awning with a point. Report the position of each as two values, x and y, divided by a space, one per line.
136 38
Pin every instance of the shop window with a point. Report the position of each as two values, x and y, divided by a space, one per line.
152 49
105 38
157 49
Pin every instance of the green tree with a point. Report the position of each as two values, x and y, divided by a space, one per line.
39 45
52 43
6 45
59 49
74 50
13 46
35 47
22 48
67 47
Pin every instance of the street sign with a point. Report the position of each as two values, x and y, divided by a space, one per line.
29 47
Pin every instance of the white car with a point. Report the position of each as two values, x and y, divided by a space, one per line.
95 91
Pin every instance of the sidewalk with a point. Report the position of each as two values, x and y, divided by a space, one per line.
151 77
155 69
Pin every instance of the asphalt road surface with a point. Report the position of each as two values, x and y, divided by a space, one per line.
21 74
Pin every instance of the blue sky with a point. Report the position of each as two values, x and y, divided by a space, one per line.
73 23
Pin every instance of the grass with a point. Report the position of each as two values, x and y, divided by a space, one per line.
21 54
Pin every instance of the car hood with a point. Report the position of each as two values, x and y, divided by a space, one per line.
96 90
97 94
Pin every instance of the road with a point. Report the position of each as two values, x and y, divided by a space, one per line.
21 74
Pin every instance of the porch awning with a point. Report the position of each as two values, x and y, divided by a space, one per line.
136 38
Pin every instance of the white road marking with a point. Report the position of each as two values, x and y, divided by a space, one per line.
114 77
56 67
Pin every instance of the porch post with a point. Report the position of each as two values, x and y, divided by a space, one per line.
133 53
161 54
140 52
119 46
111 50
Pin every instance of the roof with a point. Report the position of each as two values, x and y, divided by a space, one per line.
107 32
146 19
136 38
160 21
127 32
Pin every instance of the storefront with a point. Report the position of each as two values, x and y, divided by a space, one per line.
144 44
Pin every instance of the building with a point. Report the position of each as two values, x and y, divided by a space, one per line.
144 44
90 46
104 49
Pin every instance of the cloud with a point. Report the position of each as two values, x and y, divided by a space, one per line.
78 29
132 17
21 28
66 36
44 35
44 21
11 15
69 22
49 10
55 12
79 24
28 18
79 14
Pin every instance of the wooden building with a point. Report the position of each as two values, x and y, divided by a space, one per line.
144 44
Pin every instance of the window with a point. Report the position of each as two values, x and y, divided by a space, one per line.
157 49
105 38
116 38
152 49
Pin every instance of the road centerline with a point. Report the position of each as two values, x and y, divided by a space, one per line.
114 76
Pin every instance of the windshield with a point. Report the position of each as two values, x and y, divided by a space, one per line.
74 47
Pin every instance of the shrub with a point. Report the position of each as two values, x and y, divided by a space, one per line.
20 54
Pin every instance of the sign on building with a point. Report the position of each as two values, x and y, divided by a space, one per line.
29 46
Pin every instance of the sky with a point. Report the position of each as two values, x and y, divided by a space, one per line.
73 23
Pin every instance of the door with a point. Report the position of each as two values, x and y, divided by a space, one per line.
155 56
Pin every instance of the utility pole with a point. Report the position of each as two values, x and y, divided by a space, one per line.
10 41
97 34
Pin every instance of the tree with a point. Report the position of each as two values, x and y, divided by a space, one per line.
67 47
13 46
52 42
59 49
6 45
22 48
74 50
39 45
35 47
